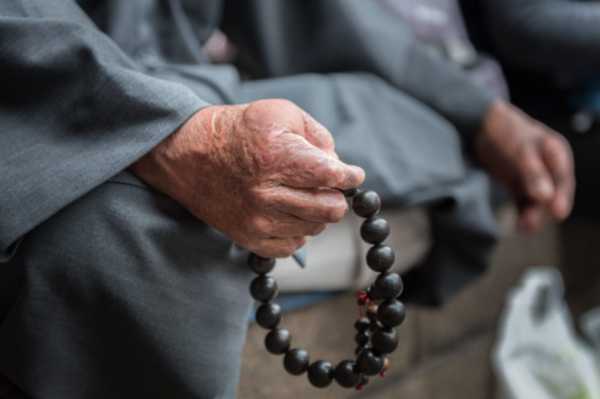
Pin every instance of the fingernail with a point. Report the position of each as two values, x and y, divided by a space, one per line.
542 189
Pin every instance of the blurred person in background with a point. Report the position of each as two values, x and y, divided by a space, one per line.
549 51
129 174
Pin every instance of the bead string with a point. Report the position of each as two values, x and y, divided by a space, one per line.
377 328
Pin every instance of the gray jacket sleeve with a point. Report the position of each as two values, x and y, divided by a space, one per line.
278 38
73 110
546 34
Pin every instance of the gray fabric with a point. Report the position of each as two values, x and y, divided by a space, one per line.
73 109
546 34
125 295
116 291
279 38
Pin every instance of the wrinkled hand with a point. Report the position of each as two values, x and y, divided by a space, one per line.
532 161
258 172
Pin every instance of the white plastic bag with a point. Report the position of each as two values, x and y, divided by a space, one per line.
538 354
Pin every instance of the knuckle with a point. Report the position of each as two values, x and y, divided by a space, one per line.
283 103
279 104
333 174
259 225
265 199
246 226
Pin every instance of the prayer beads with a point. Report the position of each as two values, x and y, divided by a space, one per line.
378 327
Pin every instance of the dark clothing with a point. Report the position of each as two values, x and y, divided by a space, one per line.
120 292
546 35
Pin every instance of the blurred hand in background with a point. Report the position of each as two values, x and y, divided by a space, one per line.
533 162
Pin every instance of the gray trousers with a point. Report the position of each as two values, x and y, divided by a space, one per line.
124 294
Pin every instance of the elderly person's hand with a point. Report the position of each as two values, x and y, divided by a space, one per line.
532 161
260 173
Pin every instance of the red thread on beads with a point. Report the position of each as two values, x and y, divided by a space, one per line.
383 374
359 387
363 300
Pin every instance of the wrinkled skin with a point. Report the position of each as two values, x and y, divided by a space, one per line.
260 173
532 161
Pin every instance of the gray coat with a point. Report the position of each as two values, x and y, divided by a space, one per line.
82 100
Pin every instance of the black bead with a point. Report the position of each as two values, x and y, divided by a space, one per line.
361 339
361 325
296 361
385 340
320 374
380 258
388 285
370 362
366 204
391 313
268 315
372 293
358 350
260 265
263 288
351 192
347 374
278 341
374 230
375 325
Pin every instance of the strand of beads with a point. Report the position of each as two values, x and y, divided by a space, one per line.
377 328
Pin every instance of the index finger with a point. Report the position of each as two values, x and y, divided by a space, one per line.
317 135
306 166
